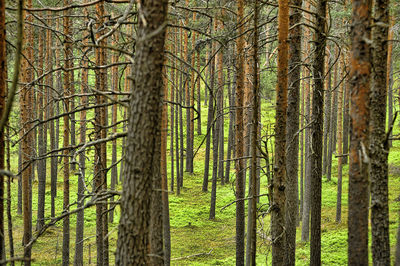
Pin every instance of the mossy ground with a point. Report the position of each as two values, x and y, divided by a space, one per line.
192 233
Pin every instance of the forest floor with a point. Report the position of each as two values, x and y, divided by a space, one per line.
196 240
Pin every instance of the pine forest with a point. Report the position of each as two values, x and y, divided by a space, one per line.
200 132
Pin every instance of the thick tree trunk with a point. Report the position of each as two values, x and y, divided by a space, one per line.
135 237
318 68
26 101
292 136
359 85
279 181
379 146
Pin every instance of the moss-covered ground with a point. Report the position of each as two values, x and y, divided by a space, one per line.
196 240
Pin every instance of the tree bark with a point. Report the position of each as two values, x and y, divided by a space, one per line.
379 145
239 162
279 181
68 55
318 68
340 145
210 120
135 239
3 89
292 128
359 85
253 190
26 102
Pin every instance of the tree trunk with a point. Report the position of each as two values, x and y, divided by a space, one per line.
3 89
26 102
292 128
346 121
231 138
41 166
379 146
187 101
220 106
100 171
305 229
318 68
68 55
340 145
332 127
253 193
210 121
239 162
359 84
164 177
279 181
328 116
135 239
80 216
114 87
389 73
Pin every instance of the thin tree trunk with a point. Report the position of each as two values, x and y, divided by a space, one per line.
332 127
340 146
198 95
41 165
9 202
187 101
67 84
292 136
210 121
220 106
327 119
3 90
302 152
164 177
114 87
231 138
389 73
346 123
305 229
239 162
253 193
215 132
100 174
80 216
